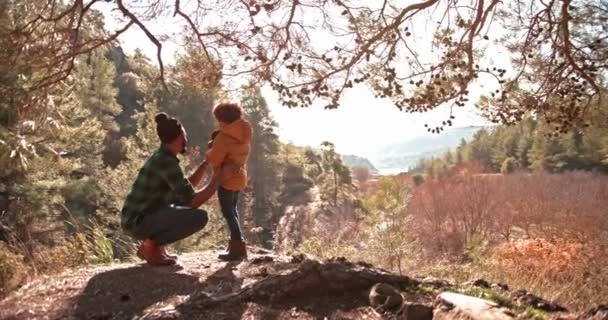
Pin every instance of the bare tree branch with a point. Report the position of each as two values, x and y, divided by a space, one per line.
314 50
153 39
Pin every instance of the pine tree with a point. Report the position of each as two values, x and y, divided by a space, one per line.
448 158
313 160
461 151
98 93
137 85
336 178
193 90
481 148
524 143
263 166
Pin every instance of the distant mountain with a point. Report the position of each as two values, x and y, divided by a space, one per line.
357 161
398 157
403 155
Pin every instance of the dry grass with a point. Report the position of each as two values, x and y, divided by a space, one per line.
561 270
20 263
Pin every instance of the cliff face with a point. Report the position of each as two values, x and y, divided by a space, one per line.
267 286
304 214
307 216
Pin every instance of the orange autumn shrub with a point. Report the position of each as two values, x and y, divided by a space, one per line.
556 259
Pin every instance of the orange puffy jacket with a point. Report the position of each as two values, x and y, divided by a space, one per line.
232 143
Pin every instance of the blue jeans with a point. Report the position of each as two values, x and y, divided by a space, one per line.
228 201
170 224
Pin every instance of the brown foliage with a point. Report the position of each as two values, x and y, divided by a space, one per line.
563 269
543 232
558 259
13 271
361 174
449 213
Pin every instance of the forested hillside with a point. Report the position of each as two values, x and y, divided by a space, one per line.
532 146
63 187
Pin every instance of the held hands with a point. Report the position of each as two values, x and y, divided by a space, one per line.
204 164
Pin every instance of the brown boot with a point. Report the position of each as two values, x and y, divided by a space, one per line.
163 251
149 251
238 251
227 250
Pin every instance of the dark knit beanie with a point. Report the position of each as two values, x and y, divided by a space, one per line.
167 128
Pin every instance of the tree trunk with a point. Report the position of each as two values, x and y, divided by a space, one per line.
335 188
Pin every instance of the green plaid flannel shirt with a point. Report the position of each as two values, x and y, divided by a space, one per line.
160 182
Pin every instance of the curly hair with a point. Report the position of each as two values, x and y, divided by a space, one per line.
227 112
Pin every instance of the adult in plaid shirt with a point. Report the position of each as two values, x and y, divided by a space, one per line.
162 206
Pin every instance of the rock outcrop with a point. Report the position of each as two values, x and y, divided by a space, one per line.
267 286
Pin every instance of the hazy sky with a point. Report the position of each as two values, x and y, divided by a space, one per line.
361 123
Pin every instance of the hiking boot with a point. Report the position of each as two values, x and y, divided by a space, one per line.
237 251
163 251
143 246
149 251
227 250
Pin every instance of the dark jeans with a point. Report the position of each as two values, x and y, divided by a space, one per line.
170 224
228 201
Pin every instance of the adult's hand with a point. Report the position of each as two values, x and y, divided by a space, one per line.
197 177
204 165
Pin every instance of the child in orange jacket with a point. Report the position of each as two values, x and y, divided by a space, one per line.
231 143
